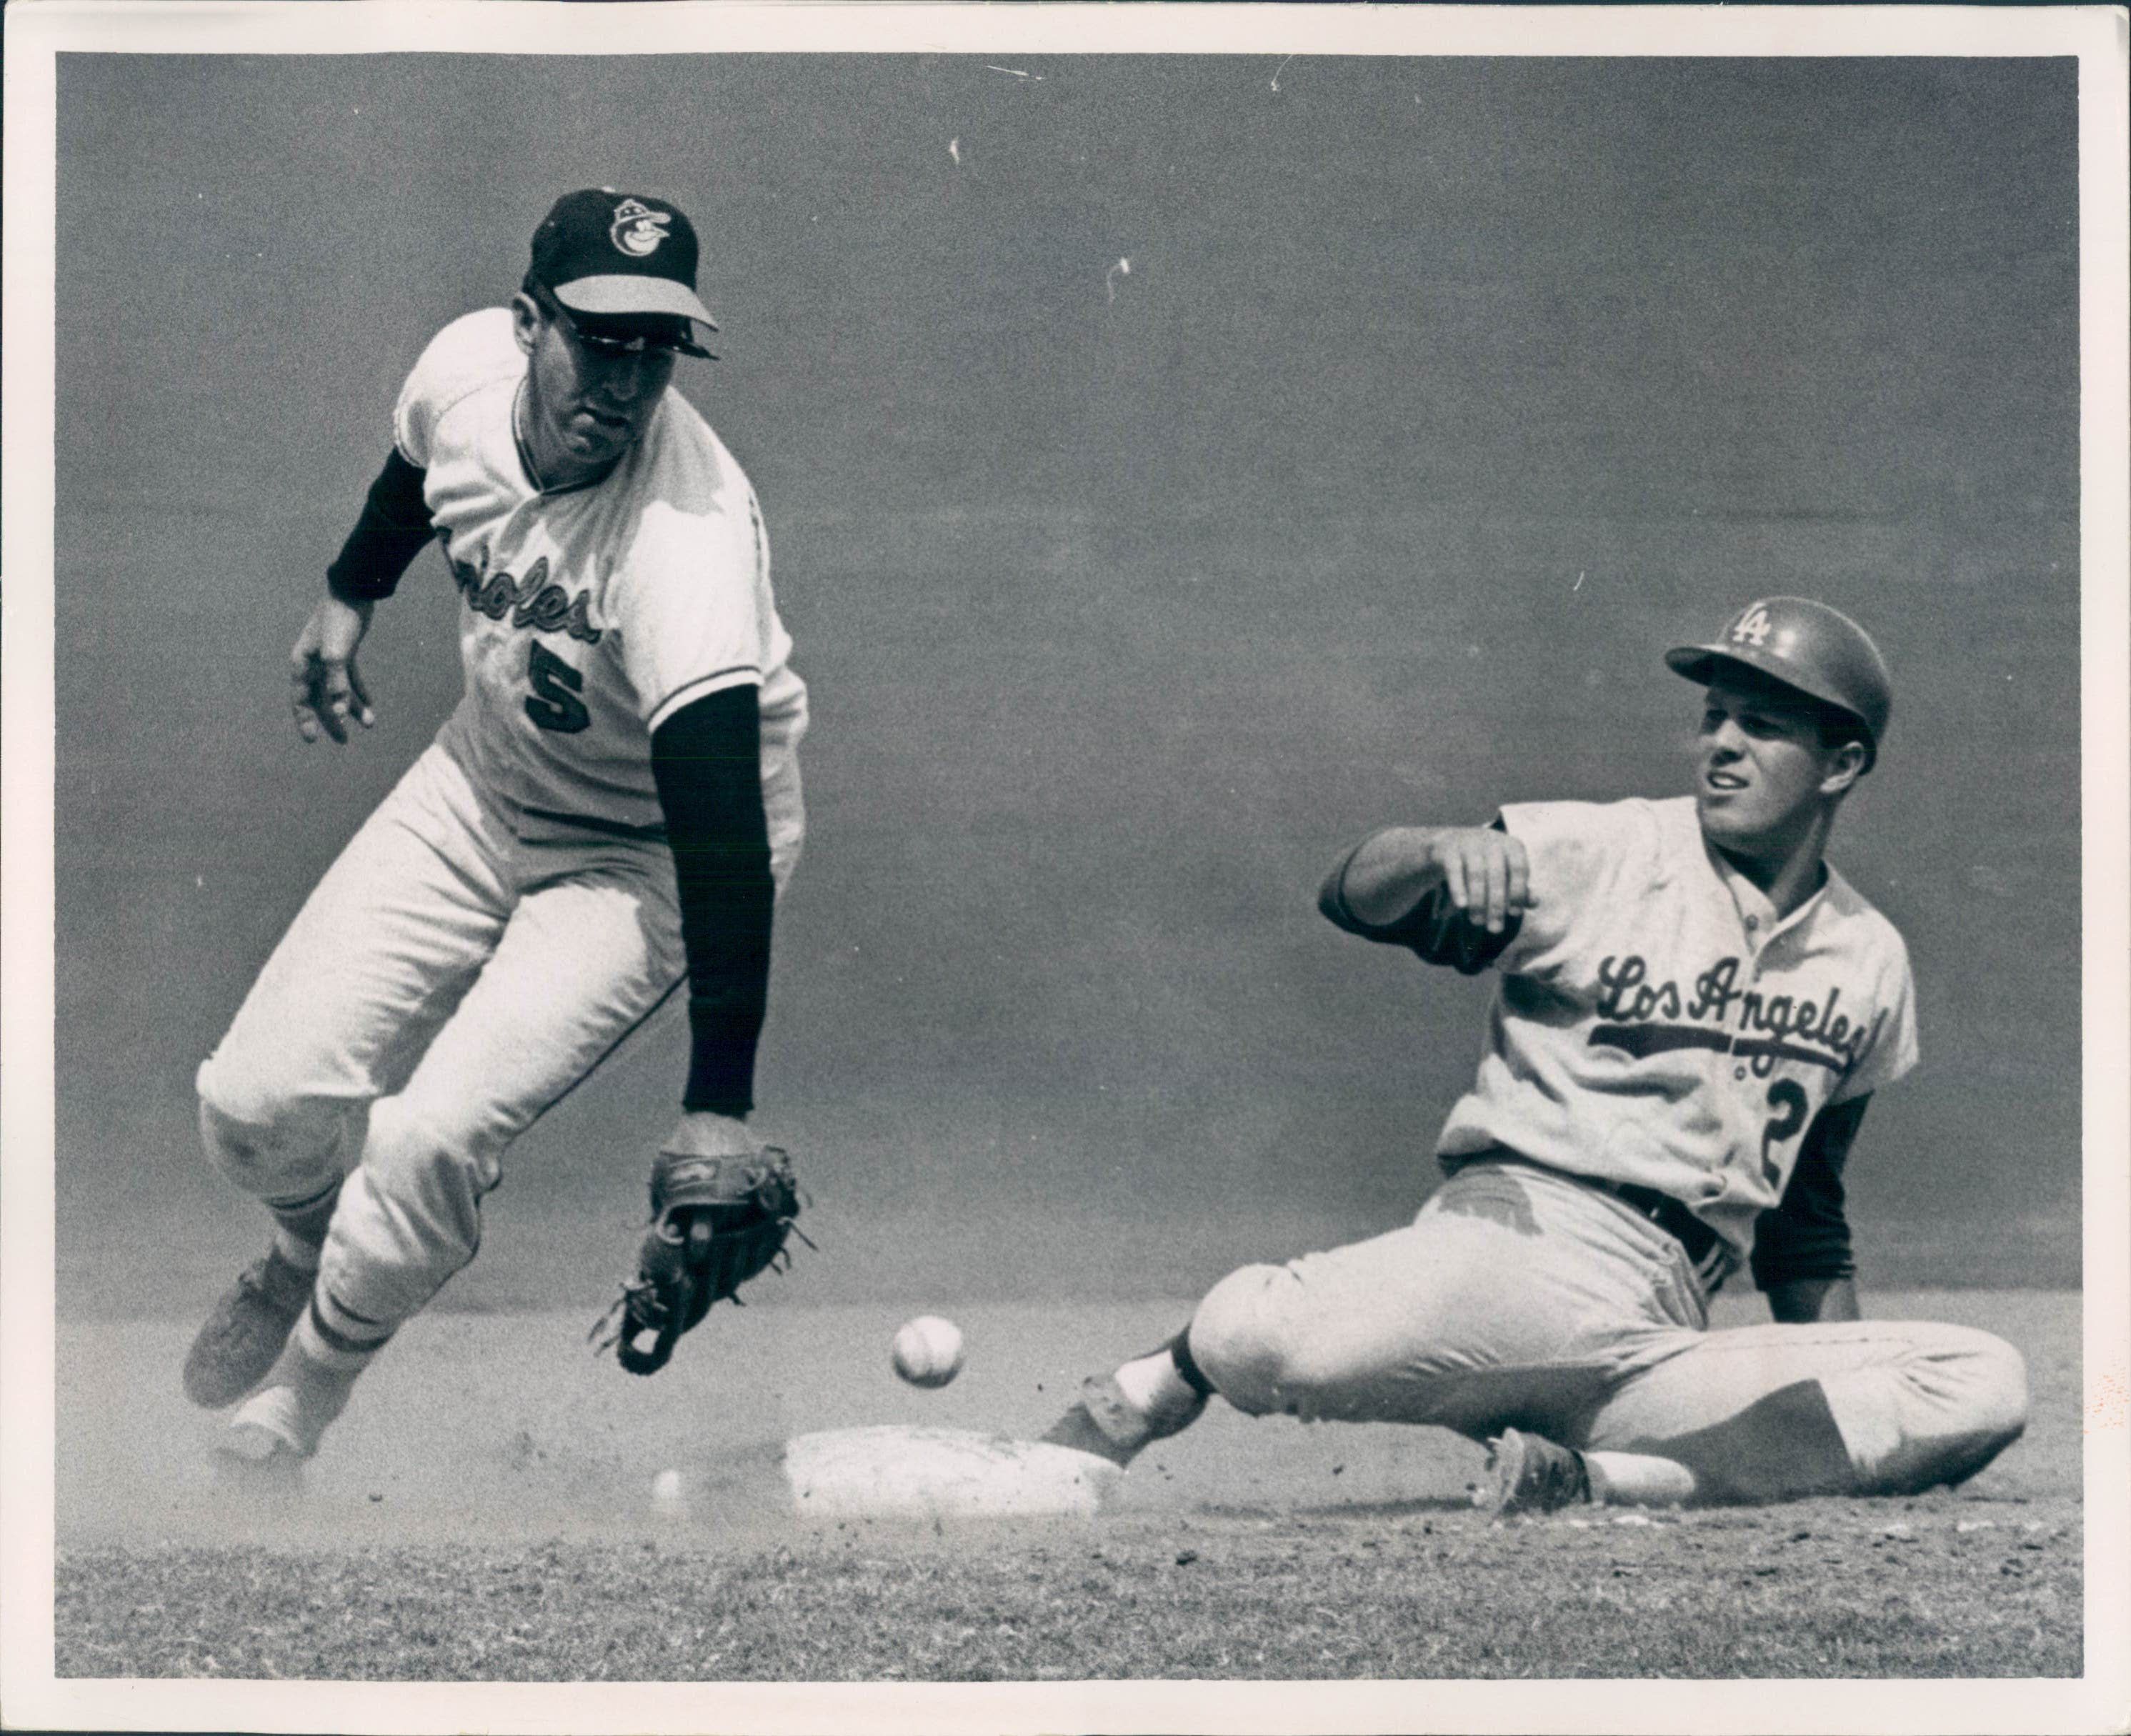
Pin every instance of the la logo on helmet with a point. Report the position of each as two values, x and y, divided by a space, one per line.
1754 628
637 229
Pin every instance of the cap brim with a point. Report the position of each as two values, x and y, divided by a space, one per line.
1693 661
625 293
1701 664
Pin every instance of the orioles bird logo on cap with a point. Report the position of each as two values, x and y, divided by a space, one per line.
637 229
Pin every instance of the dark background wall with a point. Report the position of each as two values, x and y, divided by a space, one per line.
1439 396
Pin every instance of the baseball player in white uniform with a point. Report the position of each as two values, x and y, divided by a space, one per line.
1693 1011
607 815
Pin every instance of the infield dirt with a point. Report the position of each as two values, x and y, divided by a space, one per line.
485 1512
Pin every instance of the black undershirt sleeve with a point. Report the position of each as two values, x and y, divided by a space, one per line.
393 526
706 759
1436 930
1807 1235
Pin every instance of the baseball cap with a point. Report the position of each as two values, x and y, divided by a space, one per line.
620 256
1809 647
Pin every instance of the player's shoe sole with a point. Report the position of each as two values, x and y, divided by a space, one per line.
247 1331
279 1426
255 1461
1530 1474
1108 1424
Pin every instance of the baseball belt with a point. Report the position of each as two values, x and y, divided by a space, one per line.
1668 1215
1696 1237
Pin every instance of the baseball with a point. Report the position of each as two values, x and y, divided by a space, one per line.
928 1350
668 1493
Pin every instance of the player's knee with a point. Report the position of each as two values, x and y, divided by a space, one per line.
1975 1386
1996 1387
248 1090
272 1159
1250 1339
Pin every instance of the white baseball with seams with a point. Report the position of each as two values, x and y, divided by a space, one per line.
928 1350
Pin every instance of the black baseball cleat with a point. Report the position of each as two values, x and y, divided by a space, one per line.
1531 1474
247 1331
1077 1430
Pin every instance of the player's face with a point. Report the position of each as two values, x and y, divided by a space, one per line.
1761 772
589 399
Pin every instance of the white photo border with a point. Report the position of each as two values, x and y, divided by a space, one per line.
37 33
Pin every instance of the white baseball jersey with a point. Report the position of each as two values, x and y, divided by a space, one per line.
592 614
1658 1024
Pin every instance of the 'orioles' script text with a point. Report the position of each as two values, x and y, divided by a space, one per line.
531 601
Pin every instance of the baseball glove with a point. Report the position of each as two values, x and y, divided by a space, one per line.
716 1222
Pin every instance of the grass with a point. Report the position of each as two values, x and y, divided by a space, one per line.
1941 1585
466 1524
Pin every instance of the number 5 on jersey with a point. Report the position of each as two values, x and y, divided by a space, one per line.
553 703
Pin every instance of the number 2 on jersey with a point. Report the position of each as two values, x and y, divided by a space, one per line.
554 703
1787 1098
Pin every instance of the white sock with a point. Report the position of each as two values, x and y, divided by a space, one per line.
1152 1383
293 1248
1638 1479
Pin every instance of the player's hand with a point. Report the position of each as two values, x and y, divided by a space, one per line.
702 1134
326 689
1486 873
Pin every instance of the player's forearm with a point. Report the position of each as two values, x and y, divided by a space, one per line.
1809 1301
392 530
1391 872
706 761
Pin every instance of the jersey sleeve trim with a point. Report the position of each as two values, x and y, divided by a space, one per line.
738 674
394 526
707 762
1434 930
1806 1236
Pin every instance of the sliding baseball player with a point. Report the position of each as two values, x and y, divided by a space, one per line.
1694 1010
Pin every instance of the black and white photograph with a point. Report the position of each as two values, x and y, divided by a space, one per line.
1052 868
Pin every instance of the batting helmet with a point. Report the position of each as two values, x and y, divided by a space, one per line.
1820 651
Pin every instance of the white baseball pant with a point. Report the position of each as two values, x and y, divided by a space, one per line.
446 983
1521 1298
